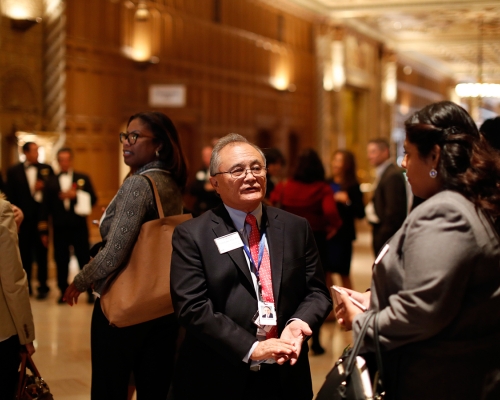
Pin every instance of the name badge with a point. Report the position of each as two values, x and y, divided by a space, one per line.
267 314
228 242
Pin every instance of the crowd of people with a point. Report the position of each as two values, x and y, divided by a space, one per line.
250 275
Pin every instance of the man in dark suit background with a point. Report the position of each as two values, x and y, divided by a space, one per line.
24 188
69 221
201 189
388 208
275 163
215 289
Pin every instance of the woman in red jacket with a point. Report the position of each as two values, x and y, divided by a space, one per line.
308 195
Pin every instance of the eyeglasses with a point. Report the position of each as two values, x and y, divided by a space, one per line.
132 137
237 173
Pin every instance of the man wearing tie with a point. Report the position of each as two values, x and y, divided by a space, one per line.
24 188
68 198
229 262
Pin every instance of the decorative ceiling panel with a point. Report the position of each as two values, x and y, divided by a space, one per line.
452 35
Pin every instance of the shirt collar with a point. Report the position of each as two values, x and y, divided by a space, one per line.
28 164
238 216
382 167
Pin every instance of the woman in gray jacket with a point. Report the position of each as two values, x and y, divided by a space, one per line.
436 283
150 146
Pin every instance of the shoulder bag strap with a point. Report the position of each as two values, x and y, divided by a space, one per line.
156 196
31 365
379 386
22 374
357 344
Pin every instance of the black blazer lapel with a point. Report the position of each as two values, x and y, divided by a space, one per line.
275 233
223 225
23 179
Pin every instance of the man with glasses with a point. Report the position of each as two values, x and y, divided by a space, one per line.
227 266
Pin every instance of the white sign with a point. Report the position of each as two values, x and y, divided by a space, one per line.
167 95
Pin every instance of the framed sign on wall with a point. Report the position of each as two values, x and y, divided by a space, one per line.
167 95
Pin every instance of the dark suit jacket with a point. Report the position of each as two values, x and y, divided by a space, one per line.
215 300
390 205
54 206
205 200
18 190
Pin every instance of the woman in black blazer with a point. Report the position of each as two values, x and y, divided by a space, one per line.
436 284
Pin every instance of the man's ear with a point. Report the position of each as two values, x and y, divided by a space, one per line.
214 182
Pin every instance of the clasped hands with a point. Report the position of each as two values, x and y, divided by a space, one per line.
345 310
287 347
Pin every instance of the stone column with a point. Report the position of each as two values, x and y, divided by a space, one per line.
55 67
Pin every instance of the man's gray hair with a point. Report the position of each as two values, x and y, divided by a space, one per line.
230 138
381 143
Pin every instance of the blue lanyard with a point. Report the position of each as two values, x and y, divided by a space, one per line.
256 267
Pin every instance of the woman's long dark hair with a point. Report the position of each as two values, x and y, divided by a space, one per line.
348 169
467 164
309 167
165 133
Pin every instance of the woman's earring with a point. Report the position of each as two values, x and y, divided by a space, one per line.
433 173
157 154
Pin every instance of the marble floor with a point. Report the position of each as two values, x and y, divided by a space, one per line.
63 333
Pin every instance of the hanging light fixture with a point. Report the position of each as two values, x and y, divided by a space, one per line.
478 89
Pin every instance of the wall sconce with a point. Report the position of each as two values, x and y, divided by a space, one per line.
282 84
141 57
280 71
23 14
146 63
23 24
279 82
142 26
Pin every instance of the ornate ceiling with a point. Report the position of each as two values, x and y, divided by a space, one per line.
443 34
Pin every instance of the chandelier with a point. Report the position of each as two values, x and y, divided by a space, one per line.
479 89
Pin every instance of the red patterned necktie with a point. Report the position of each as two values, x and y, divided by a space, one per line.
265 279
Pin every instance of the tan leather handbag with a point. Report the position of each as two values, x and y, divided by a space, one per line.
140 291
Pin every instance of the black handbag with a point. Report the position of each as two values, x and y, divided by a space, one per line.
31 386
350 377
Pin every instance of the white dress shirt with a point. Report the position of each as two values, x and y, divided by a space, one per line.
65 182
